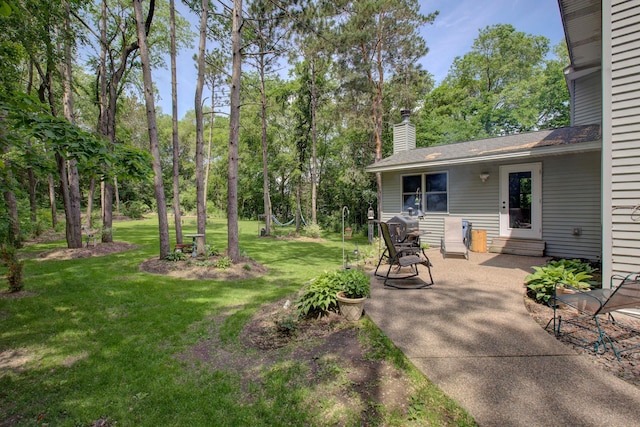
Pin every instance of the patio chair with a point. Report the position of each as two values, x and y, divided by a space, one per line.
401 256
593 305
452 242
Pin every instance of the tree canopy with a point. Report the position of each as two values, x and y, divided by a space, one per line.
322 85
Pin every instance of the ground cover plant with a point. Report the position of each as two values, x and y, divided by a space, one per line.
573 273
98 341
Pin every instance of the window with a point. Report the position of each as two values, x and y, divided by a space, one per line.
436 194
411 195
434 197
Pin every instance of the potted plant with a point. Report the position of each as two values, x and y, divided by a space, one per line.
555 275
354 291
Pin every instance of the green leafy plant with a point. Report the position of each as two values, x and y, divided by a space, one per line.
223 263
319 296
286 323
312 230
355 284
573 264
176 256
542 281
135 209
210 251
204 263
9 255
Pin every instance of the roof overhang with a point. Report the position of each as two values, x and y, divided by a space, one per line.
582 22
495 157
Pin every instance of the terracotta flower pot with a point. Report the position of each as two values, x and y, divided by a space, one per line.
561 290
350 308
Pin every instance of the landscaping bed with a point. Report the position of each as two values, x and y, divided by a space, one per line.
628 368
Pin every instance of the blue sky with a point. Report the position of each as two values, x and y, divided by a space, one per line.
451 35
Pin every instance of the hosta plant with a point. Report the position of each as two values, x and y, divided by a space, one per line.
319 296
542 281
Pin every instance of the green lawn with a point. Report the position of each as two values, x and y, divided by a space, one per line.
99 339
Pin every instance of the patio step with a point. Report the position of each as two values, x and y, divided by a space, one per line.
528 247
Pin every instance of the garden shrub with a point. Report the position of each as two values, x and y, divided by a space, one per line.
223 263
319 296
135 209
574 273
312 230
176 256
209 251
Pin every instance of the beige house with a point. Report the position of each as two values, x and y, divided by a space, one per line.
570 192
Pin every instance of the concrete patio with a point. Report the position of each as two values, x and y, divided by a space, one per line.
471 334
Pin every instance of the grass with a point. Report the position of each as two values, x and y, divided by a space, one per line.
99 339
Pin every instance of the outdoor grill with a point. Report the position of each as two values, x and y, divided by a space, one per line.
401 226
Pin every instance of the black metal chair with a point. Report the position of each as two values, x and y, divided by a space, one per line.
593 305
401 256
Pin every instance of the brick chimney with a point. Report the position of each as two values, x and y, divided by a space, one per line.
404 133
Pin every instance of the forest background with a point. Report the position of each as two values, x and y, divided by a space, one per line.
80 133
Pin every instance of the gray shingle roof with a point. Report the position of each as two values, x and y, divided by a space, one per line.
544 142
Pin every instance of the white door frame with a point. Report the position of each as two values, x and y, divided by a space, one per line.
535 231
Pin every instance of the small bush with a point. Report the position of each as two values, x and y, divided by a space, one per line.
573 273
176 256
204 263
210 251
9 255
223 263
312 230
286 323
135 209
38 228
319 296
355 284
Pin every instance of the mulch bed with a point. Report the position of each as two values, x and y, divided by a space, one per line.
575 328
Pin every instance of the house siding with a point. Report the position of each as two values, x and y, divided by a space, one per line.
571 199
404 137
587 100
469 198
566 204
623 58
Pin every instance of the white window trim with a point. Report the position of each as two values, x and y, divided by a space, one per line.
423 193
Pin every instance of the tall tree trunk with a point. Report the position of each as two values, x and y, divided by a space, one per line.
73 214
14 237
200 205
33 201
104 125
208 167
177 216
158 185
52 201
314 142
377 121
298 203
116 194
92 191
234 127
265 161
110 91
73 233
